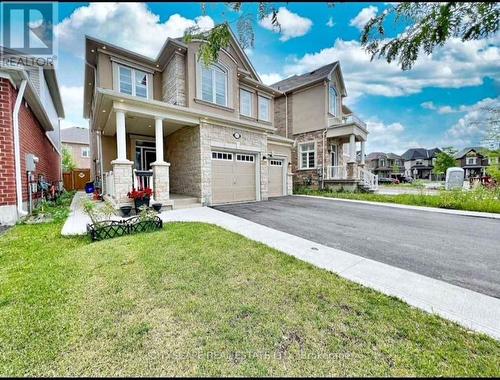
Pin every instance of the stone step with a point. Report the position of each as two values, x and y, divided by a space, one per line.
183 206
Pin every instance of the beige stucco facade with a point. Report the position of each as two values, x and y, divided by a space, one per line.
77 152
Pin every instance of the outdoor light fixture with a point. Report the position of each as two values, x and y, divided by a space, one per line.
236 135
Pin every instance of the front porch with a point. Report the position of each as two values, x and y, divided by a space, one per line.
137 150
345 170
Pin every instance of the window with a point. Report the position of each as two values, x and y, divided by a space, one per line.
264 105
307 155
85 152
222 156
419 162
471 160
493 160
244 157
245 103
276 163
333 101
214 84
382 163
133 82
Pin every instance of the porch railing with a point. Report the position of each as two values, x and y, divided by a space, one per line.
369 179
353 119
109 183
142 179
335 172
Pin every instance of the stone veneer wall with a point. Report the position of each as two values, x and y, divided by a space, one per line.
214 137
183 154
280 114
174 81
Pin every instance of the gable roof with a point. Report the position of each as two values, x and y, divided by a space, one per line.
78 135
298 81
464 151
377 155
420 153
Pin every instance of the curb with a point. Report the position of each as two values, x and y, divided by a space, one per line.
474 214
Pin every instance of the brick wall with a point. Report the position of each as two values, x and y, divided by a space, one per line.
7 171
183 154
280 114
32 140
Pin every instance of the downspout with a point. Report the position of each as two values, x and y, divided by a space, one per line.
17 148
324 170
286 115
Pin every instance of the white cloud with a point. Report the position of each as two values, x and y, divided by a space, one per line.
454 65
131 25
363 17
388 138
270 78
292 25
470 129
72 97
330 23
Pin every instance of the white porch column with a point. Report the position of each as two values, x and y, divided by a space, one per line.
121 139
122 168
159 139
352 148
362 152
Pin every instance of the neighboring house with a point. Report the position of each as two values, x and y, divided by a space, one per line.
310 111
419 162
76 140
472 161
385 165
31 106
182 128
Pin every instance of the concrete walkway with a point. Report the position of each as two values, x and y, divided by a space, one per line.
473 310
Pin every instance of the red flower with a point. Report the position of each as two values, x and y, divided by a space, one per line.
140 194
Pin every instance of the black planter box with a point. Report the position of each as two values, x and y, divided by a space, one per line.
140 202
109 229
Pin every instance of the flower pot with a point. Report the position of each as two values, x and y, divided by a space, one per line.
140 202
125 210
157 206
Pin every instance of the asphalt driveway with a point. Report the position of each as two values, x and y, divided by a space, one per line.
460 250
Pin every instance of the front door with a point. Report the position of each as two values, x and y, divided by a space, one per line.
145 154
335 159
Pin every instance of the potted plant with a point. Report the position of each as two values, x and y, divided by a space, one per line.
141 197
125 210
156 206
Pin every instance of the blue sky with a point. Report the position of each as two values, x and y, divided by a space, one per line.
431 105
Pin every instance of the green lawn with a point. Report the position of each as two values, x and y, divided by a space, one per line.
481 199
194 299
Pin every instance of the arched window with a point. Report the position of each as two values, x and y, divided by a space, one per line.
333 101
214 84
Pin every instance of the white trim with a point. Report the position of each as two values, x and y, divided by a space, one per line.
336 105
199 89
134 65
229 156
259 116
17 147
85 149
133 73
251 102
300 154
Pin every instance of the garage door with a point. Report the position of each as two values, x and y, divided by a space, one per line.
275 188
233 177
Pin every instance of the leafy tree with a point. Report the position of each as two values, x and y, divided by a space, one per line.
395 168
493 169
68 163
491 125
427 25
444 160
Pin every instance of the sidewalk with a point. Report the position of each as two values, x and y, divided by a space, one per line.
470 309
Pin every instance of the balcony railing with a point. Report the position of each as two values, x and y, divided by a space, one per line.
142 179
353 119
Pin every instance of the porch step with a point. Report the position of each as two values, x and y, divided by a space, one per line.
185 202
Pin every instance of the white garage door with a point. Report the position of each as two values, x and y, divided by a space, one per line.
275 188
233 177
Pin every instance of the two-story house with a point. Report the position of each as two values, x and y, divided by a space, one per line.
385 165
30 147
419 162
309 109
184 129
473 161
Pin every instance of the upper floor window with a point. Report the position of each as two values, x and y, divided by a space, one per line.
493 160
214 84
264 108
307 157
419 162
245 102
133 82
382 163
333 101
85 152
471 160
